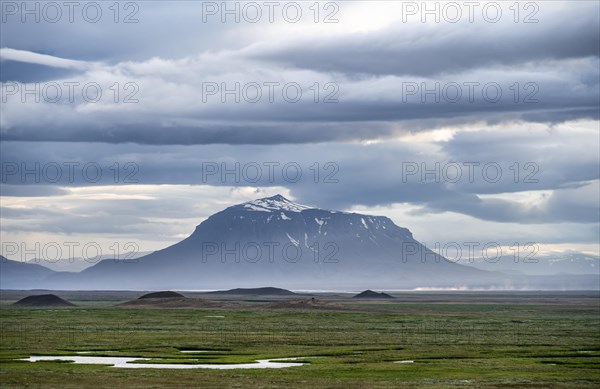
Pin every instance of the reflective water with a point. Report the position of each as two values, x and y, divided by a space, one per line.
125 362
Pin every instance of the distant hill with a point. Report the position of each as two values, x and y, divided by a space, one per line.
79 264
276 240
22 275
266 291
369 294
43 300
161 295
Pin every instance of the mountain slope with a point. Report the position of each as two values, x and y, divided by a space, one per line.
274 241
79 264
22 275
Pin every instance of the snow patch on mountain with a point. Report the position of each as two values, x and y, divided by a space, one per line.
275 203
255 208
292 240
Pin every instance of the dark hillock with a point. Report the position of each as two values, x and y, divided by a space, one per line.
43 300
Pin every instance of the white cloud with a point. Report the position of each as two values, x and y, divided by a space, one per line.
40 59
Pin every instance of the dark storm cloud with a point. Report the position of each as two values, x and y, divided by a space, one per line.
267 134
7 189
546 72
364 110
559 207
540 159
446 48
170 135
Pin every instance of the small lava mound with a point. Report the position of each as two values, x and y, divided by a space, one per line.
43 300
162 295
369 294
265 291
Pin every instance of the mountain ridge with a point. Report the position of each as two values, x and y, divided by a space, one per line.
274 241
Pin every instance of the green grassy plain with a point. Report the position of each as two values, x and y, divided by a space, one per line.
485 340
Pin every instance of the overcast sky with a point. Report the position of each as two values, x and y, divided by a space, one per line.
135 124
